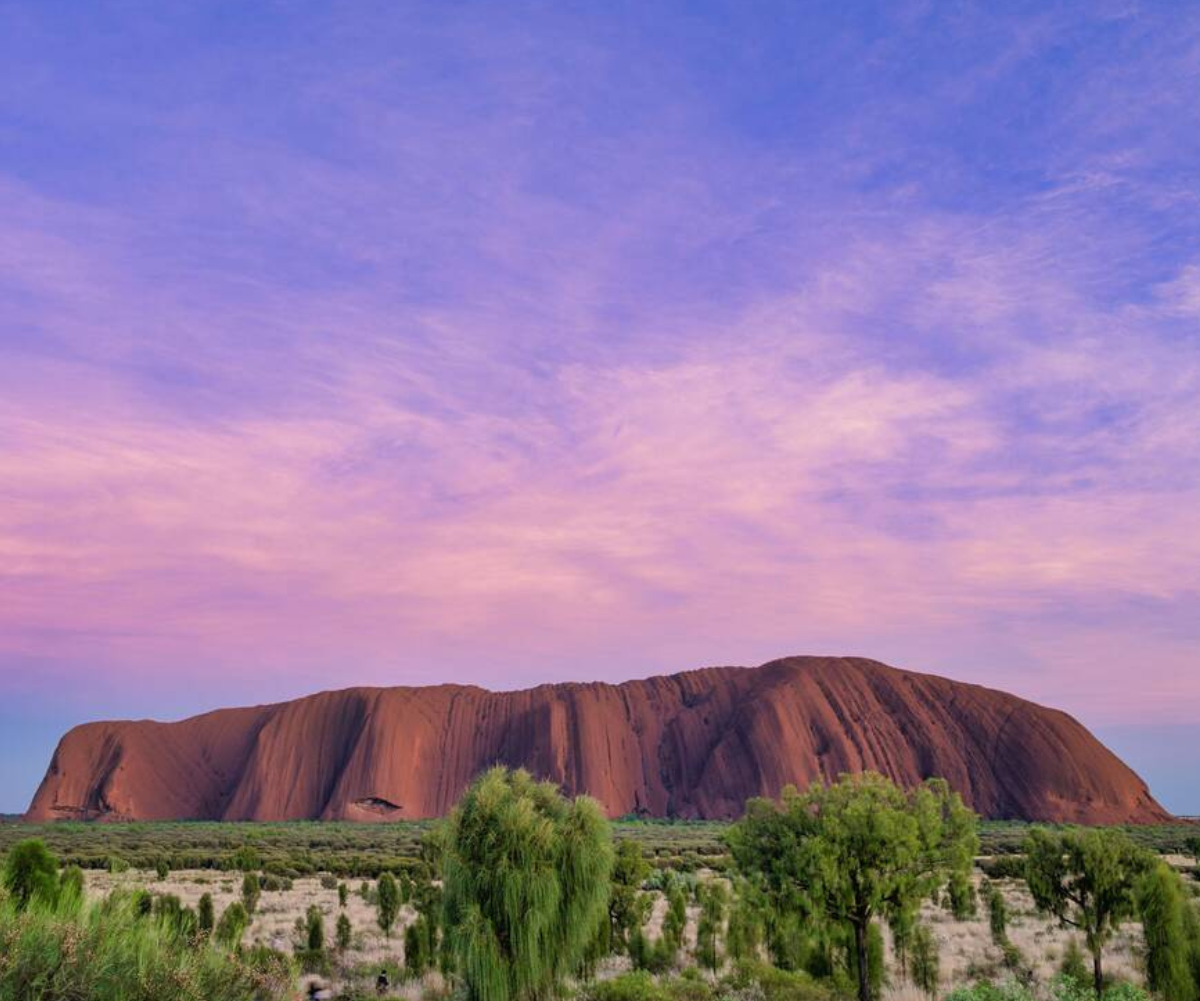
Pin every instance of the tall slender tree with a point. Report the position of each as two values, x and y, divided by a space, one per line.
526 882
388 906
714 902
1163 905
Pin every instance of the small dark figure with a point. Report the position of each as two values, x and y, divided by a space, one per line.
381 983
314 989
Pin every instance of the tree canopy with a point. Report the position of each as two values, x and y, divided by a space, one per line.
526 882
1087 879
859 849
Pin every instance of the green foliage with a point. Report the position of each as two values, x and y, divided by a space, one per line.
760 981
169 909
70 886
314 930
418 948
117 864
30 873
343 894
1062 989
1163 906
635 986
251 891
744 934
1073 966
343 932
1086 879
961 895
997 916
108 951
849 852
924 959
246 859
628 906
526 876
674 922
388 904
205 914
232 925
714 902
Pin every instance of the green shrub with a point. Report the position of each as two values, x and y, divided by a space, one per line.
30 873
635 986
205 914
232 925
1073 966
251 890
387 902
997 916
754 981
108 952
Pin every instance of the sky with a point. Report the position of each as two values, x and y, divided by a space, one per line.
398 343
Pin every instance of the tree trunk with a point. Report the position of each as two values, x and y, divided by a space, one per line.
1097 972
864 973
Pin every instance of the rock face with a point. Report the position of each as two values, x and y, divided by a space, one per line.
696 744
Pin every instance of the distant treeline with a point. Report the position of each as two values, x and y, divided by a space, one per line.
300 848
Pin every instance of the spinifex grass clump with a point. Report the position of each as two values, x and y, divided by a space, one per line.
526 877
112 952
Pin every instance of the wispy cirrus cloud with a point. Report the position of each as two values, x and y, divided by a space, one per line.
402 347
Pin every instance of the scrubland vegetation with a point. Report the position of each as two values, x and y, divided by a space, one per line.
860 890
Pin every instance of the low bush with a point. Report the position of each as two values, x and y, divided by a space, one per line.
111 951
1063 989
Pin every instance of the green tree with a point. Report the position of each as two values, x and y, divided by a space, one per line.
205 914
232 925
961 896
251 890
997 916
856 850
388 906
628 906
343 894
674 923
30 872
161 869
314 931
1086 879
1163 906
923 954
714 901
344 932
417 951
744 934
526 878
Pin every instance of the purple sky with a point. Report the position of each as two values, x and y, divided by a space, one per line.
400 343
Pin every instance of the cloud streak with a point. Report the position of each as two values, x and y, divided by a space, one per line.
415 347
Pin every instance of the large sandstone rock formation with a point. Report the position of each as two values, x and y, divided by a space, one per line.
690 745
